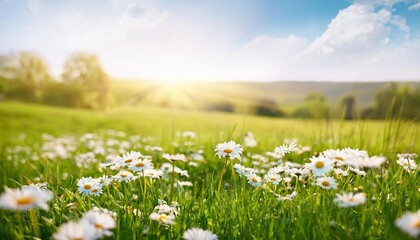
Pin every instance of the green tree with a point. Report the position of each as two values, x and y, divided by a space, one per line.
315 106
83 72
23 76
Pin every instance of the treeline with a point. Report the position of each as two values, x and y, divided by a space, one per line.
25 76
392 101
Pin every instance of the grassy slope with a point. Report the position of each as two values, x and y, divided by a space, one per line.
243 213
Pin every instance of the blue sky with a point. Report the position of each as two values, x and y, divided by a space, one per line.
244 40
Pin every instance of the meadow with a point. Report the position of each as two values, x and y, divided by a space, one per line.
270 189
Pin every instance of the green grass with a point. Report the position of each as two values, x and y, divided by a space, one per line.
239 211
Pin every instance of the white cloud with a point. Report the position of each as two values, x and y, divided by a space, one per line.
415 6
143 17
34 6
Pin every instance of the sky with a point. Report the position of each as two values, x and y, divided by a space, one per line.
223 40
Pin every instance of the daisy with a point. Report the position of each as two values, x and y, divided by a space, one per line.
87 185
350 199
249 140
340 172
326 183
174 157
153 173
125 176
163 218
409 222
102 222
373 162
76 230
229 149
104 180
285 149
126 158
198 234
25 198
254 180
287 197
140 165
406 160
273 178
320 165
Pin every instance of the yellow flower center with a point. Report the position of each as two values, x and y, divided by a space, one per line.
25 200
77 238
128 160
163 217
273 179
123 174
325 183
227 150
339 158
417 224
99 226
319 164
255 180
140 164
95 190
87 186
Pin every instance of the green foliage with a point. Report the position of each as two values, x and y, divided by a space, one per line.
315 106
23 76
239 211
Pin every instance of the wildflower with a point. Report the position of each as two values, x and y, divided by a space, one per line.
243 171
25 198
127 158
373 162
125 176
358 171
153 173
350 199
254 180
288 197
249 140
87 185
273 178
198 234
284 149
140 165
163 218
409 222
104 180
320 165
229 149
406 160
102 222
175 157
326 183
76 230
340 172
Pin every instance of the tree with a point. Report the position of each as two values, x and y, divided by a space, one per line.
23 75
348 104
83 71
315 106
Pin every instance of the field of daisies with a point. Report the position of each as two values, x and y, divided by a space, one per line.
207 182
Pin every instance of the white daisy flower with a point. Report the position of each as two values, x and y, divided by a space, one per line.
340 172
350 199
228 149
326 183
174 157
163 218
198 234
153 173
104 180
87 185
285 149
254 180
278 169
272 178
406 160
357 171
243 171
102 222
409 222
140 165
373 162
320 165
288 197
76 230
125 176
25 198
249 140
127 158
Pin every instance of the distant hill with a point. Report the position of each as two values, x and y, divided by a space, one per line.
240 96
